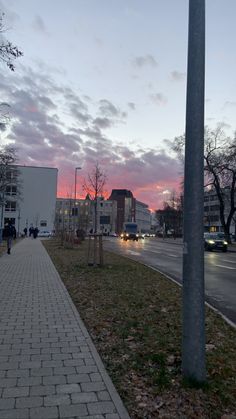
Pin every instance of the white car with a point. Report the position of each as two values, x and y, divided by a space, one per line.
44 233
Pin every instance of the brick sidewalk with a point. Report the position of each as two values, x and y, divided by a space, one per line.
49 367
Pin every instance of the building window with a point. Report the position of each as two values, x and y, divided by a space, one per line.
10 206
11 190
43 223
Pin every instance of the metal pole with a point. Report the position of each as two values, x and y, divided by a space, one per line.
77 168
193 340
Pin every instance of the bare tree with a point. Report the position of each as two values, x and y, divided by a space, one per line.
220 170
94 186
8 51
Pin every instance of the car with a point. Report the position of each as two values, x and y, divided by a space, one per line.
141 235
44 233
214 241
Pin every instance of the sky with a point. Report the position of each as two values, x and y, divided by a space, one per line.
105 81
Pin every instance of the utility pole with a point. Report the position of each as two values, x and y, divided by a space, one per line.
193 341
75 215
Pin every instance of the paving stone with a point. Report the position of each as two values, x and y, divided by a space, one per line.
41 371
18 373
95 376
44 413
41 357
15 392
103 395
29 381
64 370
101 407
15 414
73 410
31 401
78 378
56 379
7 403
84 397
73 362
46 390
92 386
52 363
86 369
61 357
68 388
8 382
57 400
9 365
30 364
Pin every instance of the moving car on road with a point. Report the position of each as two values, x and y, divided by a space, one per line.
130 231
214 241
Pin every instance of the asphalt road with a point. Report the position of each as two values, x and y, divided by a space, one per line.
166 256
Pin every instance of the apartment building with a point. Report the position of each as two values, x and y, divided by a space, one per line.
212 221
29 198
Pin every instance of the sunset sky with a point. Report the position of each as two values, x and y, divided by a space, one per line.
105 81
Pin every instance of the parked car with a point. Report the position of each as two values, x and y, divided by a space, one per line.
214 241
44 233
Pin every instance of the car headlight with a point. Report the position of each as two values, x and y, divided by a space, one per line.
211 242
127 234
122 235
136 235
225 242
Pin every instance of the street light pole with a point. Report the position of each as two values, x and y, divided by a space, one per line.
193 341
77 168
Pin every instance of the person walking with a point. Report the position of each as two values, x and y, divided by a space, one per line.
9 233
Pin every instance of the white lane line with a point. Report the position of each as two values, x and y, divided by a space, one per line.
173 256
133 253
223 266
229 261
153 251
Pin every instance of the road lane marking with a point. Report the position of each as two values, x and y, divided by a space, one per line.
227 267
229 261
173 256
133 253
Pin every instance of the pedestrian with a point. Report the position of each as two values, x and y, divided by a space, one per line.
9 233
25 231
35 232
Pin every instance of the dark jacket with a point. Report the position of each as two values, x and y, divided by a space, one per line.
9 231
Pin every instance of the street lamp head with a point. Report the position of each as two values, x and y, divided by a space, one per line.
77 168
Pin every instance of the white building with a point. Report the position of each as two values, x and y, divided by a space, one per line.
142 216
30 198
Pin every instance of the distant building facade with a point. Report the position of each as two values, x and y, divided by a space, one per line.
130 209
80 214
125 207
212 221
30 198
73 214
142 216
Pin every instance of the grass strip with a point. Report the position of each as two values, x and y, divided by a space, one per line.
133 315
